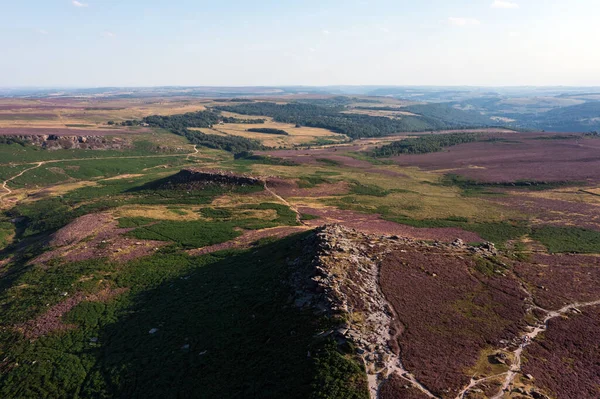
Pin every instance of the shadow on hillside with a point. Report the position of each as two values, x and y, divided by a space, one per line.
226 330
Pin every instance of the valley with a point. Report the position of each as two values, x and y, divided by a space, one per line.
297 246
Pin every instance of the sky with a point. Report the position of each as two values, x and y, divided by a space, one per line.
99 43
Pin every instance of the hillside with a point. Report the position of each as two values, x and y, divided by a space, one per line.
174 252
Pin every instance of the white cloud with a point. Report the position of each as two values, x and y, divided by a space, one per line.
108 34
312 50
42 31
463 21
504 4
79 4
514 34
326 32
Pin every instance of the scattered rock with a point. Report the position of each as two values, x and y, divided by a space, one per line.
458 243
538 395
499 358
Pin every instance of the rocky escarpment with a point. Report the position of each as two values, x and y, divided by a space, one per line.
344 283
57 142
192 175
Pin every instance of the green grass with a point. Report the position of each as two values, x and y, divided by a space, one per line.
370 190
329 162
248 158
49 214
132 222
488 266
567 239
192 234
285 216
6 230
201 233
308 216
177 211
363 157
216 213
77 125
16 153
91 169
473 187
311 181
338 375
225 328
499 233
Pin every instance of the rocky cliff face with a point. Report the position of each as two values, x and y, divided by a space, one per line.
344 284
56 142
191 175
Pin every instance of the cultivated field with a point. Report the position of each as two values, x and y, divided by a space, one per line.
297 136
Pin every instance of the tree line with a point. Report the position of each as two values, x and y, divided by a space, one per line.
180 124
334 119
424 144
267 130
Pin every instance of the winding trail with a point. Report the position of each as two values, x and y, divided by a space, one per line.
5 184
394 363
285 202
8 191
526 340
530 336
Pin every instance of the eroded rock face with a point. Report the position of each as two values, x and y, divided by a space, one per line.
57 142
345 286
192 175
421 314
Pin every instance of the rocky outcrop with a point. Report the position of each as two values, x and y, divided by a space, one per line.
344 284
57 142
192 175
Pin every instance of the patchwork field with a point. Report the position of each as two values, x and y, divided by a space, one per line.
296 136
175 253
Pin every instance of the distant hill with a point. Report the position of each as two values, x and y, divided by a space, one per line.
450 115
576 118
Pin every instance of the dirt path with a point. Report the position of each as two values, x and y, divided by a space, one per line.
8 191
394 364
530 336
526 340
285 202
193 153
5 184
105 158
249 237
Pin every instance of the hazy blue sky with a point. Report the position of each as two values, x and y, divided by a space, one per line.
310 42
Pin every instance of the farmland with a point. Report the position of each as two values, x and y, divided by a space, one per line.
169 247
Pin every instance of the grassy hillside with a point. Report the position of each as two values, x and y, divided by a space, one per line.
218 326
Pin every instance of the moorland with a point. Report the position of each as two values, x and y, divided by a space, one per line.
169 245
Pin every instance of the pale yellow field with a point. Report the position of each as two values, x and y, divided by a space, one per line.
419 197
89 114
571 194
186 213
297 136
